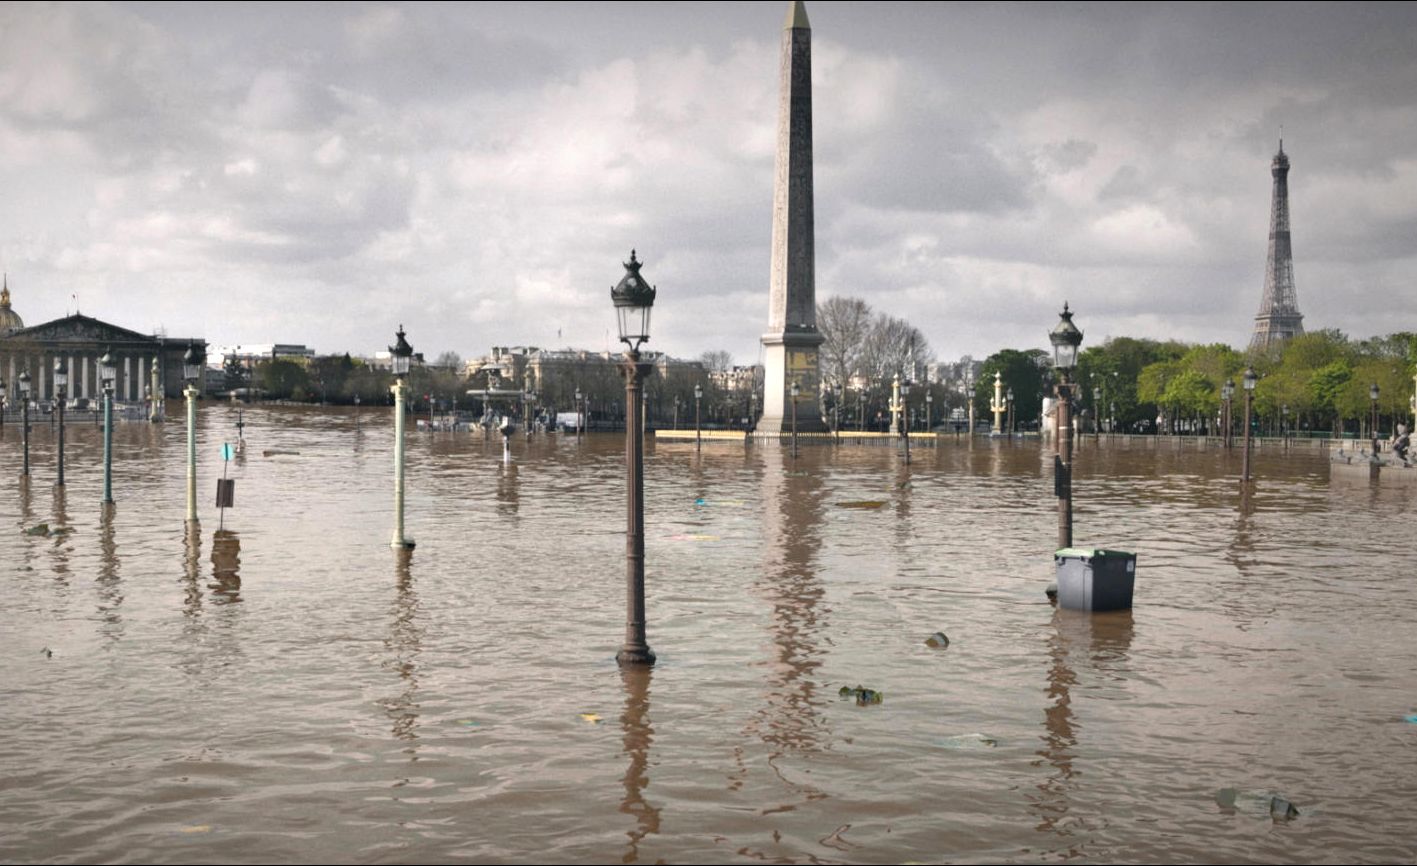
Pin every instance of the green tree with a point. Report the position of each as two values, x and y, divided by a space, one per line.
1026 372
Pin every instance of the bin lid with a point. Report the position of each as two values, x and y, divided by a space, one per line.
1091 553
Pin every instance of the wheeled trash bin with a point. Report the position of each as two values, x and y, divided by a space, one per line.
1095 579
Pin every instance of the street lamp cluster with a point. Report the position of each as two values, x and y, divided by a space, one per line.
1065 338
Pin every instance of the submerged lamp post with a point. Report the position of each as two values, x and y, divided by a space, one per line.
106 374
401 357
580 416
61 382
905 416
634 299
1284 424
698 430
1009 401
192 362
796 391
1373 396
1227 393
1249 380
929 410
1097 415
24 381
2 404
1065 338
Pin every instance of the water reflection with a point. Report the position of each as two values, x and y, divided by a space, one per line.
404 642
110 588
789 719
508 498
1094 643
226 567
638 736
60 530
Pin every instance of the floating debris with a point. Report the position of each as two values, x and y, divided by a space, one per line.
196 828
47 653
694 537
1256 803
938 640
469 723
969 742
278 453
590 718
719 503
1412 719
861 503
41 530
1051 590
864 696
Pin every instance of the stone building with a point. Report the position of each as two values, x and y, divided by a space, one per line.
82 340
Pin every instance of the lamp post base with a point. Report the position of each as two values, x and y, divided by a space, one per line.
402 544
635 656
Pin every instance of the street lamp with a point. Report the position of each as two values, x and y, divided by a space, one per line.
929 410
698 431
580 416
400 360
61 382
1249 380
1227 393
969 395
1009 401
1284 424
905 416
634 299
1097 415
106 374
1373 396
1065 338
24 381
192 362
2 404
796 391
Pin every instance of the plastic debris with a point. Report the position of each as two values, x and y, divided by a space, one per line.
197 828
1412 719
469 723
718 503
938 640
864 697
47 653
686 536
972 742
590 718
278 453
1256 803
861 503
41 530
1051 590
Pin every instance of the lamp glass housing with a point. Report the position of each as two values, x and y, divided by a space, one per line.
61 374
1250 379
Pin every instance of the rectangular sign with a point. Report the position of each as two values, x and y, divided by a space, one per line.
225 492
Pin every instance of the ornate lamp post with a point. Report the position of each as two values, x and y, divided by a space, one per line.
929 409
1249 380
24 381
796 391
580 415
905 416
997 406
1284 423
1373 397
1227 393
1009 401
192 362
1065 338
106 374
698 430
2 405
678 401
61 382
969 395
1097 415
634 299
401 359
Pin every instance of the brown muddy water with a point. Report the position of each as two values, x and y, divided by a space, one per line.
291 690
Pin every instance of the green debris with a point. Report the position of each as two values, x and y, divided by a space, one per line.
864 696
861 503
42 530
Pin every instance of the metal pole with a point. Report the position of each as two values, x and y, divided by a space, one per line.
1065 456
190 392
107 446
25 420
400 390
794 427
698 433
905 429
636 650
60 482
1245 471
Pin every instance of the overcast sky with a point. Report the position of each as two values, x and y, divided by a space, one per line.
319 174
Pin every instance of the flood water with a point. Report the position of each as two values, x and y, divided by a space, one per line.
290 689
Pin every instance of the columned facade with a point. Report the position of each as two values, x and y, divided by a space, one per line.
81 341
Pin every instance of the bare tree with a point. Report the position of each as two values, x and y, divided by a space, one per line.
845 324
717 361
451 361
894 346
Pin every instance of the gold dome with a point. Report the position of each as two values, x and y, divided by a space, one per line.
10 321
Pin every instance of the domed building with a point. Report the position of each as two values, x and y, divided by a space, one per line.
10 321
143 362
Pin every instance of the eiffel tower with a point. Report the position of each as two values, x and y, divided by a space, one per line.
1279 317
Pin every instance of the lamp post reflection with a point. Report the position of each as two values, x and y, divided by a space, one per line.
637 737
404 643
226 567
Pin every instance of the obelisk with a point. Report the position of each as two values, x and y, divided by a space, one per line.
790 345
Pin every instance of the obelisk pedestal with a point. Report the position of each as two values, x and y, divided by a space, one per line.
791 343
